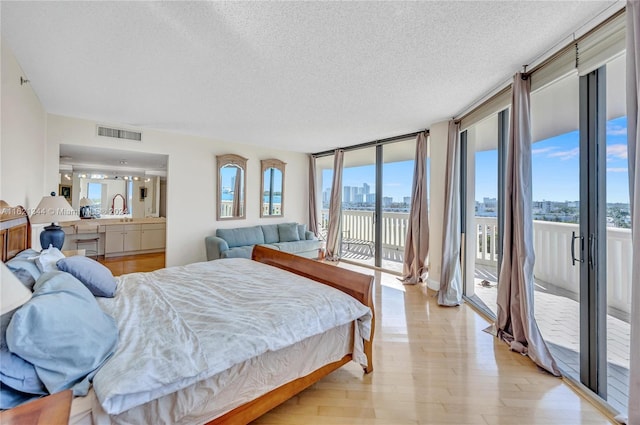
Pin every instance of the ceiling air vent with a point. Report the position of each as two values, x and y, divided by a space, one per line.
119 134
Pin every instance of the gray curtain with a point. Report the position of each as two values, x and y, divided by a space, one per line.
450 292
416 246
335 208
633 140
515 321
313 206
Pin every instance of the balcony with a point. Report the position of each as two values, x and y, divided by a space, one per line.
556 283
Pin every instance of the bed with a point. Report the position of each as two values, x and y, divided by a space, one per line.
235 387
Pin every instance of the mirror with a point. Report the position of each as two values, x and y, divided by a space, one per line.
109 183
272 196
231 186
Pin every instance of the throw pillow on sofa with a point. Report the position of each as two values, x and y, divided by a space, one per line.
288 232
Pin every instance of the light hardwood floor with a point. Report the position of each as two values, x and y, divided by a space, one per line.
432 365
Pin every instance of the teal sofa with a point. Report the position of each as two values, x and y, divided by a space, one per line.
239 242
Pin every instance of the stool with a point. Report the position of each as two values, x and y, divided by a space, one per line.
91 238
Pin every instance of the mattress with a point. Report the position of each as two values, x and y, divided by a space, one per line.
196 341
213 397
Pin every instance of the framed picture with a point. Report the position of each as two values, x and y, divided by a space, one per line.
64 190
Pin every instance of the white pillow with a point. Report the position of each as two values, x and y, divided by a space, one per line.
48 258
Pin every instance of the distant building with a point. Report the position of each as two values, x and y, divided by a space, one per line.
346 194
365 189
370 198
407 200
387 201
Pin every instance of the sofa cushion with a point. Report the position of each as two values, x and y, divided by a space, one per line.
242 236
238 252
297 246
302 230
270 233
288 232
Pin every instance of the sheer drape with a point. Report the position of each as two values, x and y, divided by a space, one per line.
450 292
633 140
313 206
516 323
335 208
417 242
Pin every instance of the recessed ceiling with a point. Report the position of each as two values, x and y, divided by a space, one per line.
301 76
111 161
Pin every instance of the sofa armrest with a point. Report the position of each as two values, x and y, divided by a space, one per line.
309 235
215 247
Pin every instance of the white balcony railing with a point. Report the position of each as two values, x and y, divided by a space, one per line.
552 245
359 225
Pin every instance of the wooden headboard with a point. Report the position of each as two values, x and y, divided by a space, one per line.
15 231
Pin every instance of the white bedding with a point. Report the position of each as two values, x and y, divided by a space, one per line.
215 396
196 321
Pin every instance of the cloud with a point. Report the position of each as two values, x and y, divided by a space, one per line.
617 170
542 150
616 130
565 155
616 152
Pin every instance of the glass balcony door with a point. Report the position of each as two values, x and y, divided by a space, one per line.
359 206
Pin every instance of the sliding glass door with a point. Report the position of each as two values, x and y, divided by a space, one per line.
483 148
376 198
618 237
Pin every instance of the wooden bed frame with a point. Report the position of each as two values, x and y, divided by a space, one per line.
15 232
358 285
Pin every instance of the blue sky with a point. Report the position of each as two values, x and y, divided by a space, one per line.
555 167
555 171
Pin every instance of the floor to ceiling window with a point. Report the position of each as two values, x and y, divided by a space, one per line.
618 237
482 150
376 199
555 157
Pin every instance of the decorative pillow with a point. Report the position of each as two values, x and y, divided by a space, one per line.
302 231
63 332
270 233
10 398
288 232
27 253
23 276
48 258
94 275
19 374
26 264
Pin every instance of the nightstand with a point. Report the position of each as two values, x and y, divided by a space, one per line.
50 410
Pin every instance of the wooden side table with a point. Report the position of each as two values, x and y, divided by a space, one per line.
53 409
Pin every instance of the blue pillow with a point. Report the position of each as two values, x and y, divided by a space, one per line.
94 275
25 263
19 374
27 253
10 398
63 332
288 232
23 276
302 231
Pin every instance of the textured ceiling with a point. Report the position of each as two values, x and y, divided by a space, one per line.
302 76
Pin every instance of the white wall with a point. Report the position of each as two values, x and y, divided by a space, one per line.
22 139
438 133
191 180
